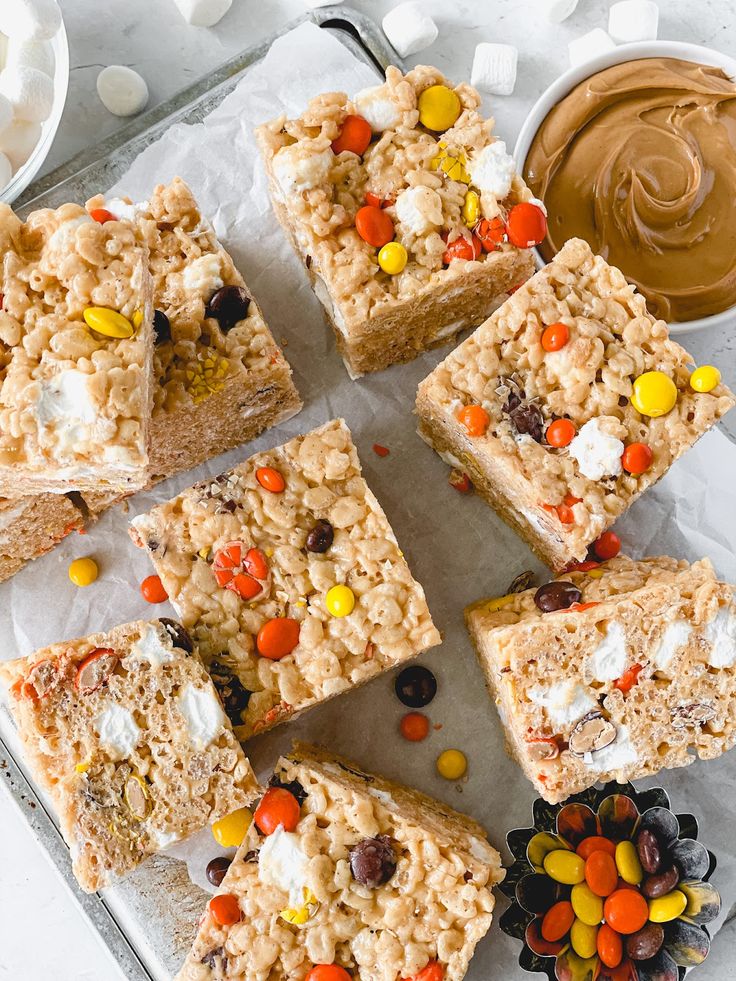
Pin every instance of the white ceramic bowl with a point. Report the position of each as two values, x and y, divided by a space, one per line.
626 52
25 174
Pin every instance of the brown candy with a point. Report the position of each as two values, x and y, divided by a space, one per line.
557 595
647 848
229 305
373 861
320 537
660 884
645 943
179 636
217 868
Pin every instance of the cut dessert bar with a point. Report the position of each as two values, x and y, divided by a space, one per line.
126 733
612 674
31 526
289 576
221 379
566 404
410 162
76 348
366 875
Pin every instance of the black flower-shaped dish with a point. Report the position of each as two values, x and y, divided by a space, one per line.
610 886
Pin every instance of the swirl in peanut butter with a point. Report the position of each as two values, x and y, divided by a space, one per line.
640 161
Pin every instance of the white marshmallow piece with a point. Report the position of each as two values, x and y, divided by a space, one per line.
123 92
6 113
18 141
633 20
494 68
29 91
313 4
30 54
203 13
29 20
409 28
558 10
590 45
6 171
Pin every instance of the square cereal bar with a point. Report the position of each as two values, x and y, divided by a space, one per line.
612 675
290 578
76 348
221 379
31 526
126 733
411 162
364 874
566 404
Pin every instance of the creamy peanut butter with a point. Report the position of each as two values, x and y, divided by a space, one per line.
640 161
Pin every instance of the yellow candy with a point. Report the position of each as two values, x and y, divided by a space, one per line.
83 767
654 394
340 601
392 258
492 605
586 905
108 322
705 378
668 907
453 165
584 938
471 208
564 866
452 764
230 830
299 915
439 108
137 319
206 376
628 864
83 572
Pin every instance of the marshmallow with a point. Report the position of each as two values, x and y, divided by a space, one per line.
633 20
558 10
409 29
19 141
123 92
29 20
203 13
6 113
29 91
590 45
6 171
30 54
313 4
494 68
377 107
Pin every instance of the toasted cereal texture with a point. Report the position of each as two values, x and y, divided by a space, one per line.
187 538
144 759
435 906
381 319
31 526
503 368
75 404
642 677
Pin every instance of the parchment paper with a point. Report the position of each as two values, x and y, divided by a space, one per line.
455 544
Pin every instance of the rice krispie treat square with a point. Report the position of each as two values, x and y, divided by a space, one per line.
220 377
342 868
567 404
76 348
407 212
31 526
127 734
287 573
614 673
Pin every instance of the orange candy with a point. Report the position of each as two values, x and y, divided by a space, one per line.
526 225
152 590
101 215
560 433
461 482
624 972
607 546
557 920
626 911
381 450
328 972
637 458
355 136
475 419
595 843
555 337
240 573
278 806
278 637
432 972
601 873
491 232
270 479
461 248
628 679
225 909
374 226
414 726
610 946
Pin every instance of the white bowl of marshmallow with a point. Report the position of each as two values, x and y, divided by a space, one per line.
34 75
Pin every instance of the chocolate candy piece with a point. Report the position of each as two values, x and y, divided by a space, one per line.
161 327
179 637
416 686
523 581
373 861
215 958
557 595
526 417
217 868
233 695
660 884
320 537
293 786
228 306
645 943
647 848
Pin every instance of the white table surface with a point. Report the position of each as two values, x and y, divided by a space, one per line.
42 933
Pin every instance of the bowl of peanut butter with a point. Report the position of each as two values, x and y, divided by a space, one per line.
635 152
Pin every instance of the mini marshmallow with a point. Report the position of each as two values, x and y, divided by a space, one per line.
633 20
494 68
123 92
29 91
29 20
558 10
6 113
6 171
409 28
203 13
588 46
19 141
30 54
